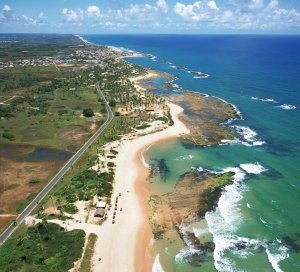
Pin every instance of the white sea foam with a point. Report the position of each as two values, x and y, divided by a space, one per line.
277 253
263 221
287 107
200 169
200 231
204 76
183 158
247 137
227 217
228 205
226 242
253 168
264 99
185 254
84 40
172 66
239 174
235 108
143 159
157 265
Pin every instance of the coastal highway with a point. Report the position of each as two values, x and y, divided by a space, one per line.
28 210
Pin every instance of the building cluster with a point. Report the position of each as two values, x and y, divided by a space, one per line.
80 54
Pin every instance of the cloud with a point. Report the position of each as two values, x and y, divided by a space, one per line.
70 15
256 4
6 8
212 5
241 15
93 11
273 4
6 12
162 5
200 10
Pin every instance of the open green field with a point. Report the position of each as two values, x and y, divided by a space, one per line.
37 116
23 46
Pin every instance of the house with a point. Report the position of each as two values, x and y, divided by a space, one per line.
149 109
101 205
100 212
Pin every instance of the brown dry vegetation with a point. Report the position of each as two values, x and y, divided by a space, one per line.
14 186
74 133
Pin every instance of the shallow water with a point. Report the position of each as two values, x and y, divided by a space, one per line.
20 152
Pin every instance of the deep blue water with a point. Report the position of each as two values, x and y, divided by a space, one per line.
242 67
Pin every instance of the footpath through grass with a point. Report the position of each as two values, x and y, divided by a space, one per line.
86 263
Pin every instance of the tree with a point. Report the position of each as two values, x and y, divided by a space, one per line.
88 112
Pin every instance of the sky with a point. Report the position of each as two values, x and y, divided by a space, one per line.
150 16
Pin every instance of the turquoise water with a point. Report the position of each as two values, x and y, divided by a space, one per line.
256 226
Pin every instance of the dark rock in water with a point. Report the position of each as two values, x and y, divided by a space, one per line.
292 243
199 252
159 166
274 174
241 245
196 257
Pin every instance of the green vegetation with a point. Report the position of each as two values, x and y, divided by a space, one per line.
86 263
35 45
52 105
8 136
211 195
34 182
70 208
42 106
85 185
44 247
22 204
88 112
143 126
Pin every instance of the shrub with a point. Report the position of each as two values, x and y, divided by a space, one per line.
8 136
110 164
88 112
112 103
34 182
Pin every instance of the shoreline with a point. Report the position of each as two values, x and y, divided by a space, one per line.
144 253
119 245
125 245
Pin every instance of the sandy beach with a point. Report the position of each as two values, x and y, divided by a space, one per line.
124 246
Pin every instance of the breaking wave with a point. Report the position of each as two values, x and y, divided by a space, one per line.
287 107
225 220
264 99
246 136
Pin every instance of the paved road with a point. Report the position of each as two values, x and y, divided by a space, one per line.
28 210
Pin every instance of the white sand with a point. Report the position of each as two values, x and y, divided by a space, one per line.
116 243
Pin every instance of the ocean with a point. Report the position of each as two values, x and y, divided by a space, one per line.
256 226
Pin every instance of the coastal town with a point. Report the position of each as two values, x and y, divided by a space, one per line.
82 53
